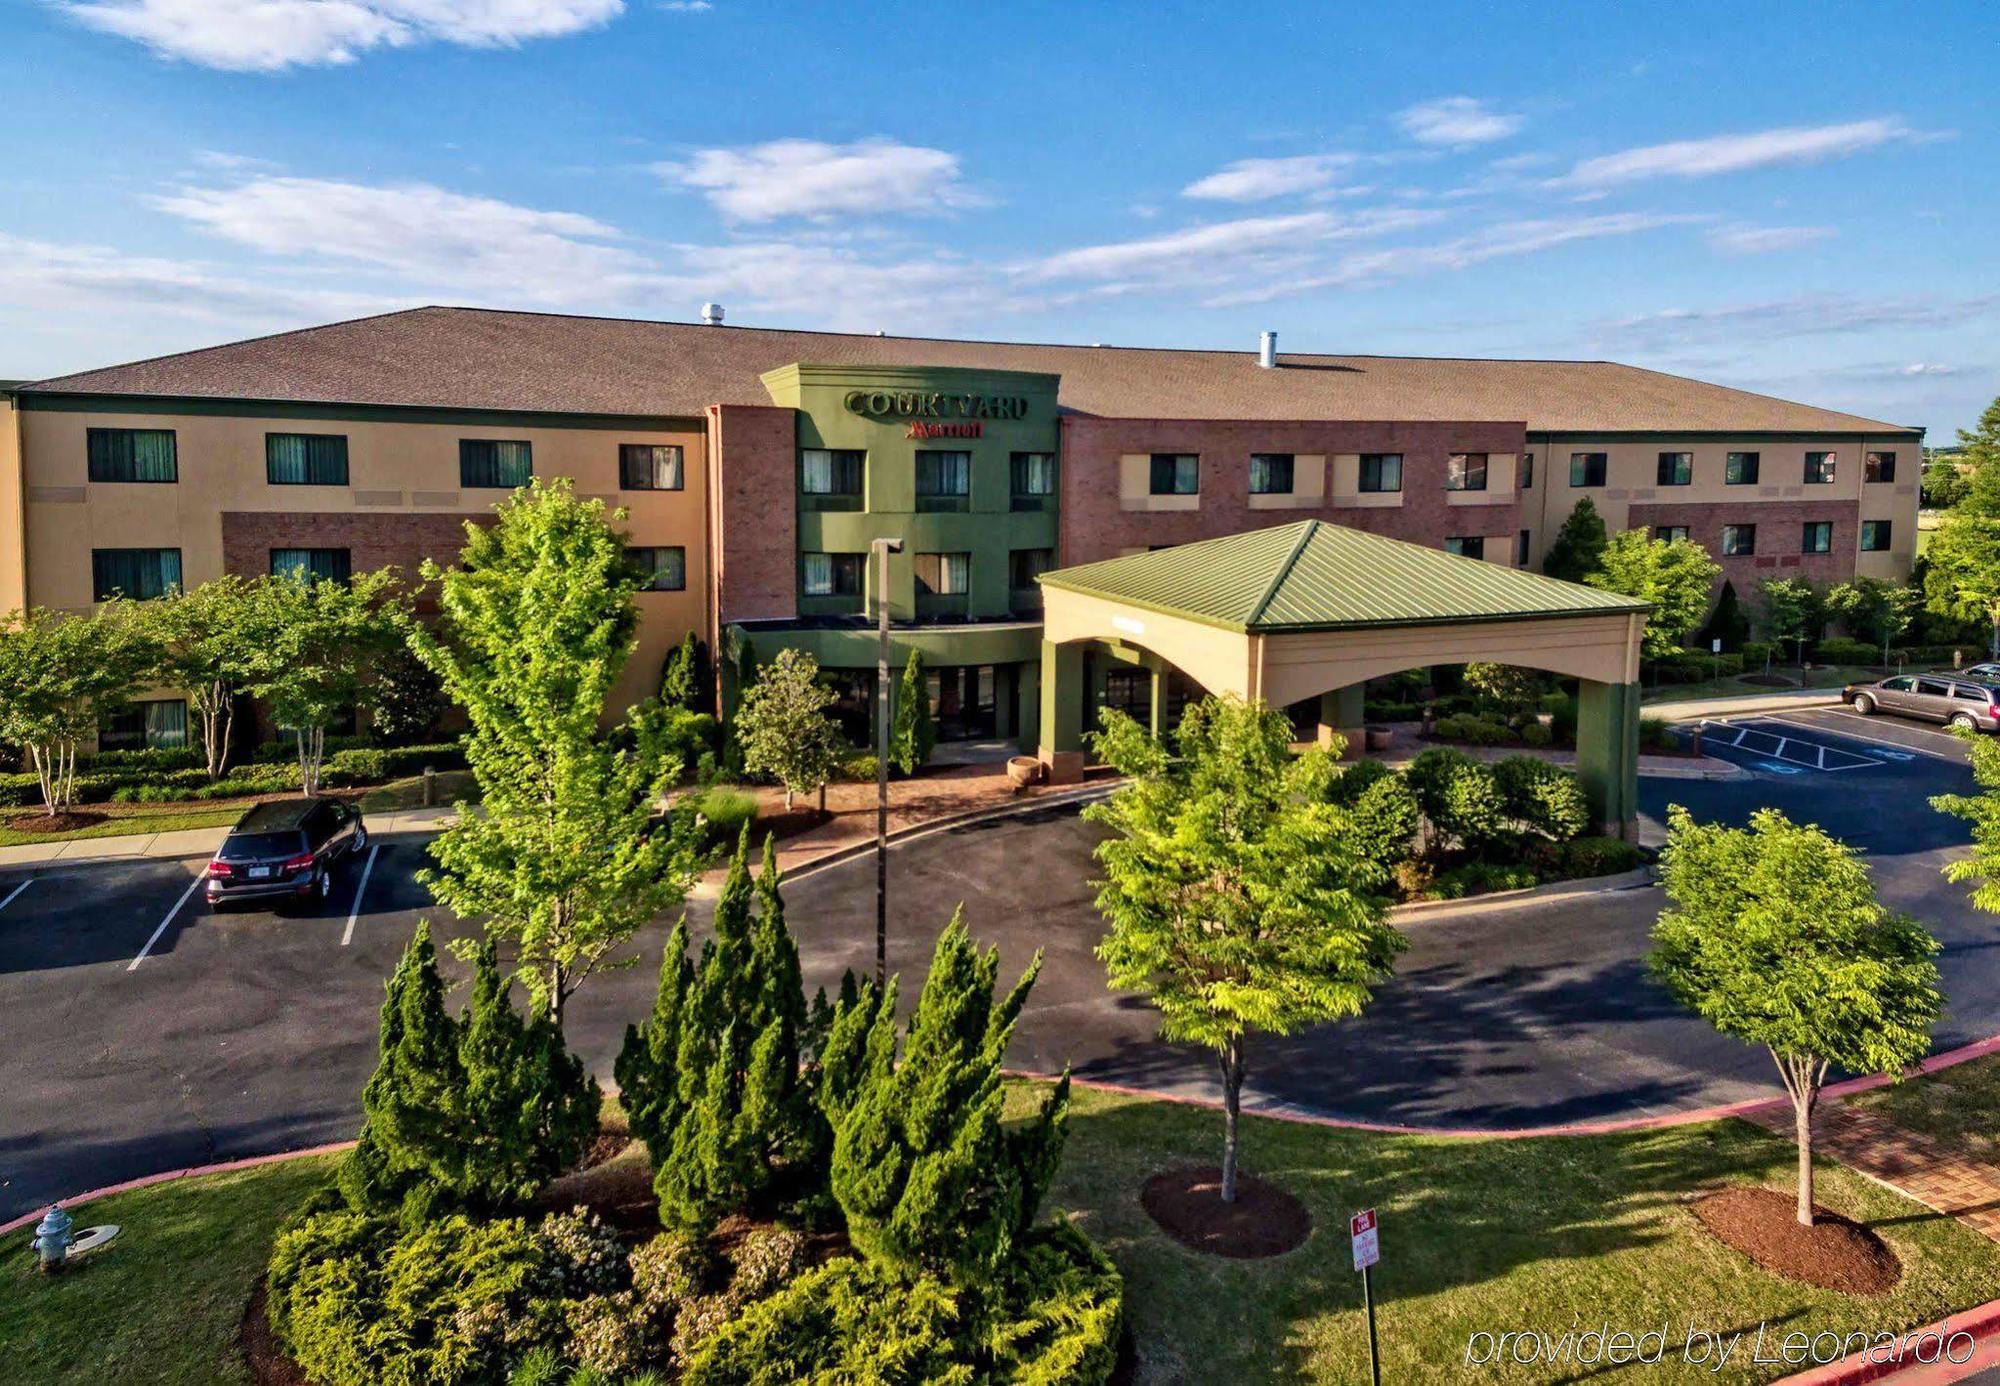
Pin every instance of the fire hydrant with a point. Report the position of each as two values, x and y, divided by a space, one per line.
52 1239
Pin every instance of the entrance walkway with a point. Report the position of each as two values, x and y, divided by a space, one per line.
1925 1169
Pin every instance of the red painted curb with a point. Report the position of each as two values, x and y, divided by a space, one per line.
1983 1319
169 1176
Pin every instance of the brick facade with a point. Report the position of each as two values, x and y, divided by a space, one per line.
1780 537
753 515
1096 525
372 539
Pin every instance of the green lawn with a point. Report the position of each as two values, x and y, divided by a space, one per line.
1828 676
1476 1236
1954 1105
408 793
128 819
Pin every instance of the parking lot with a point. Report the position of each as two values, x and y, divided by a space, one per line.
1825 739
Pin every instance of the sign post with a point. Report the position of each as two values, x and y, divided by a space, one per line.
1361 1231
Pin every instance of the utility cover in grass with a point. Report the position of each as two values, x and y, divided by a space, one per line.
1263 1221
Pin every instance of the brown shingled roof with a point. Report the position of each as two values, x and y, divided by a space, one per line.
469 358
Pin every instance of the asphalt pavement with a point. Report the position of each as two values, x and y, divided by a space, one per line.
147 1032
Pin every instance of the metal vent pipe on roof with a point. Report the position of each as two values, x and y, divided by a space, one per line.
711 313
1267 350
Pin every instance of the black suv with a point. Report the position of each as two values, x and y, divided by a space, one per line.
286 847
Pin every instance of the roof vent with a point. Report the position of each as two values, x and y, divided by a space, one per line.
711 313
1267 350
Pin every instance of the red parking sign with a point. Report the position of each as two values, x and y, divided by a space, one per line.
1367 1242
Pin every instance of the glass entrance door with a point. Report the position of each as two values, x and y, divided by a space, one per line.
964 702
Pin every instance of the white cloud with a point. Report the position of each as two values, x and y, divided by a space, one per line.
1737 153
1456 121
1221 249
1764 240
49 278
1804 316
271 35
1253 180
811 178
418 232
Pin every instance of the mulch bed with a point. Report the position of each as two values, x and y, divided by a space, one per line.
781 824
1834 1253
259 1346
56 822
1263 1221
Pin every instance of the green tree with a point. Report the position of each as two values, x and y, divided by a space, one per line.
1962 559
1578 545
1982 812
1239 896
785 730
1726 622
566 858
915 734
59 676
1775 937
204 645
1509 687
684 677
1792 608
1979 446
928 1175
314 643
406 698
1874 610
1945 482
410 1149
1675 575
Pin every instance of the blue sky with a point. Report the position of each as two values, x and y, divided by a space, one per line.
1796 199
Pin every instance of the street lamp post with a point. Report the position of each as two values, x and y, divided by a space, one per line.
882 548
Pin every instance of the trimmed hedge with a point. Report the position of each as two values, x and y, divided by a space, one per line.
1839 649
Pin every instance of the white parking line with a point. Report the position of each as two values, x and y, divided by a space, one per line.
367 870
1874 740
192 886
16 891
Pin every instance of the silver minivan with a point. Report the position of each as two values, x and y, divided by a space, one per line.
1957 702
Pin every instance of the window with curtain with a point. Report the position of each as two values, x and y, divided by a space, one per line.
1381 471
1676 469
942 574
1521 545
650 467
1465 471
140 574
1880 466
1270 473
133 454
494 463
1176 474
1819 468
1588 468
1527 471
161 723
1466 545
1034 473
944 480
313 565
305 459
665 566
1025 565
1818 537
833 574
1670 532
1740 469
830 472
1874 536
1738 540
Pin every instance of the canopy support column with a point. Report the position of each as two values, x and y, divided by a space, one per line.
1062 712
1340 713
1607 755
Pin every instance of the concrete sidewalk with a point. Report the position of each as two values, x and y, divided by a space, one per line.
1742 704
186 842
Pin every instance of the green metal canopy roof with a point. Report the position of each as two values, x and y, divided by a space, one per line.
1316 576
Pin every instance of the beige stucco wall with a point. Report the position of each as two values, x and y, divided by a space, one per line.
13 532
394 468
1632 474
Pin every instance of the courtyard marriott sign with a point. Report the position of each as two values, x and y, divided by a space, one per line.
934 404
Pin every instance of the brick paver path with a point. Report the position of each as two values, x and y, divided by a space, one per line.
1933 1174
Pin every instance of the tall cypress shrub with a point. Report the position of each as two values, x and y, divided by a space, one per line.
914 734
929 1178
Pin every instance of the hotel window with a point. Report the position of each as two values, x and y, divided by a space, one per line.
1023 567
1819 468
1466 546
942 574
313 565
1738 540
650 467
1670 532
1818 537
1034 480
140 574
1587 468
132 454
830 479
1270 474
1740 469
1874 536
1879 466
1465 471
158 724
1381 471
305 459
1527 471
833 574
1521 549
1676 469
1176 473
664 566
944 480
494 463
